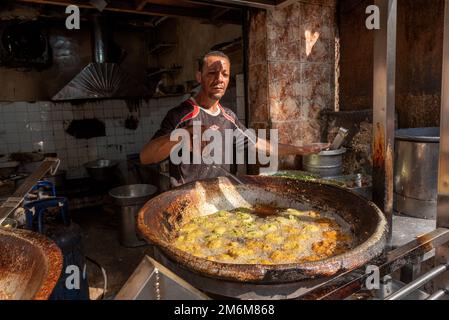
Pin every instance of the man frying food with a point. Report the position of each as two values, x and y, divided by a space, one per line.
205 110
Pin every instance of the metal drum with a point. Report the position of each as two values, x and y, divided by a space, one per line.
416 172
130 199
326 163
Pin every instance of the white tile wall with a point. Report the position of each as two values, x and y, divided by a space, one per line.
40 126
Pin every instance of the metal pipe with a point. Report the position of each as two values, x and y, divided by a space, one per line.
442 253
437 295
443 172
48 165
384 74
418 283
100 41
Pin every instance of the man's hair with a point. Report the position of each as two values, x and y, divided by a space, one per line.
211 54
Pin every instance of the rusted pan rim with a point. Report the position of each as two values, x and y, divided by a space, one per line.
162 215
45 249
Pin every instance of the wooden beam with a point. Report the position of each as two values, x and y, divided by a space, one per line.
215 4
280 4
261 4
218 12
140 4
114 6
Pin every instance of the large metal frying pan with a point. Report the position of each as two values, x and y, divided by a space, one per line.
161 217
30 265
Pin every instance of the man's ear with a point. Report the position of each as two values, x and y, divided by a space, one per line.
198 76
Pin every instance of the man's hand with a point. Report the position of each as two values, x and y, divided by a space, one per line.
314 148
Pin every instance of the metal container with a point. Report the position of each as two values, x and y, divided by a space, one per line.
130 199
30 265
57 179
416 172
101 170
8 168
161 217
9 223
326 163
357 183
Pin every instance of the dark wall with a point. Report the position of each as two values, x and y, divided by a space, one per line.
356 56
71 51
419 60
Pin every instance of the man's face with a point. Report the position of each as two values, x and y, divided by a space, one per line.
214 78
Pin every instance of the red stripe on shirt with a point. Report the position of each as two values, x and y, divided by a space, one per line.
227 116
191 115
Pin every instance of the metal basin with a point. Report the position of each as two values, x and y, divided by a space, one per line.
160 218
101 170
30 265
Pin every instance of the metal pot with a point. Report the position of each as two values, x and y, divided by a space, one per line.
101 170
160 218
326 163
416 172
8 168
129 199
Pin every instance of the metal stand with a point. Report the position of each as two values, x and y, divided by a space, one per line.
384 73
442 253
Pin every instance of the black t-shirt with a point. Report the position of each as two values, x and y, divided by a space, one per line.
183 116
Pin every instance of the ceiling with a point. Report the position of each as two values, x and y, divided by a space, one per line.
215 11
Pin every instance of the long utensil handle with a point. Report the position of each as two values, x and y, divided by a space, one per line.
48 165
339 138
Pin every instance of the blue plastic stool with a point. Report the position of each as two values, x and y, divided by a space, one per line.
37 209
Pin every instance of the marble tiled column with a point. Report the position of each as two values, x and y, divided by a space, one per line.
291 70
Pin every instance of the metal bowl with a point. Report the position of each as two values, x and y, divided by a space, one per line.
30 265
101 170
9 224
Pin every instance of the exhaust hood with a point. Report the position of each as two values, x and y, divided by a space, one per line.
101 79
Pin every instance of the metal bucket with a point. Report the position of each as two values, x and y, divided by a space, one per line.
416 172
130 199
326 163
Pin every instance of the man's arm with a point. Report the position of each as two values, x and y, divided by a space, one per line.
283 149
288 149
160 147
157 150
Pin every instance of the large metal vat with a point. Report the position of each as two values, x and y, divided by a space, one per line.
159 221
30 265
416 172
